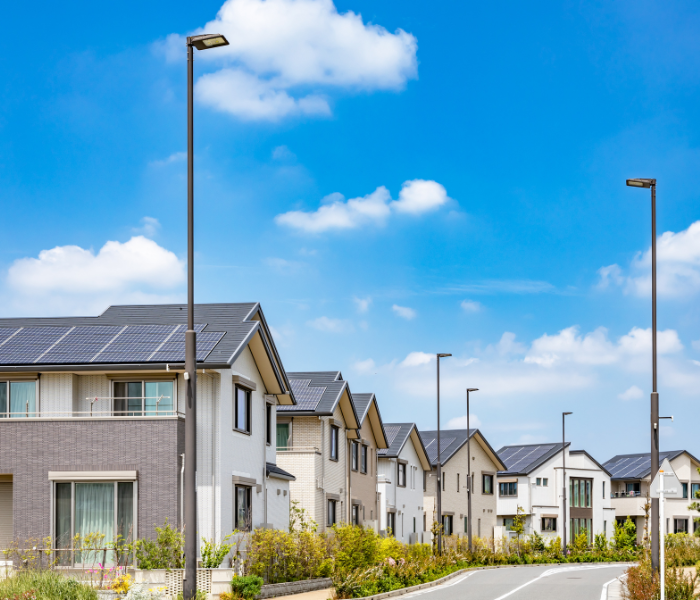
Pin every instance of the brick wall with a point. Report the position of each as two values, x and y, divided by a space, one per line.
30 449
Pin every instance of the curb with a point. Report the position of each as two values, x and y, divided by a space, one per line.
429 584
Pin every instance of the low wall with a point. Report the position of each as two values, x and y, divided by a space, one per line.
275 590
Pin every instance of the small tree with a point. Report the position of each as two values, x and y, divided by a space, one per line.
625 535
696 507
519 525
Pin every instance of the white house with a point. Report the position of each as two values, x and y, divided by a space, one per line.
400 477
631 477
533 481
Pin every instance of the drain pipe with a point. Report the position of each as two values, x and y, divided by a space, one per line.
182 494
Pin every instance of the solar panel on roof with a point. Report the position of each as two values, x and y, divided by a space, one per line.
307 396
519 458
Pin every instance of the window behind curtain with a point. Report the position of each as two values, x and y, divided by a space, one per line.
487 484
354 456
63 518
331 513
508 489
125 510
243 512
22 401
159 397
282 435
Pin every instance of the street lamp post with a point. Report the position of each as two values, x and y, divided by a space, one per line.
563 457
651 183
201 42
439 462
469 474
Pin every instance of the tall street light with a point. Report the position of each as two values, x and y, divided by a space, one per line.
469 474
439 461
651 183
201 42
563 457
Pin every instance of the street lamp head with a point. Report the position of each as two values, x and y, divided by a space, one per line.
472 389
641 183
443 355
204 42
567 413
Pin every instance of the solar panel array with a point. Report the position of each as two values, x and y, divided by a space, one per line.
96 344
307 397
431 448
518 458
633 466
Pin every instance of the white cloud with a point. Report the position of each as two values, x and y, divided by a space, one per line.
415 359
470 306
507 345
284 154
696 344
461 422
362 304
364 366
631 393
149 227
404 312
419 196
595 348
77 280
284 54
329 325
678 267
374 209
173 158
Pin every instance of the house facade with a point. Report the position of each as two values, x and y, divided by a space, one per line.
401 471
485 464
92 423
533 481
363 461
630 481
314 444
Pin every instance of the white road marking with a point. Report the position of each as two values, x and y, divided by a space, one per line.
553 572
442 586
604 593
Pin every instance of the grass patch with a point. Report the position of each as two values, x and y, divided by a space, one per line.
44 585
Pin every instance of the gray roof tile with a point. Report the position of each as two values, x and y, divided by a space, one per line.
525 458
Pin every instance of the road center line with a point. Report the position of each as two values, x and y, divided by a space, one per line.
554 572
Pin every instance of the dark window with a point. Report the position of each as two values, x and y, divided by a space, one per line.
425 524
332 518
425 484
447 524
363 459
414 524
603 490
508 489
466 525
243 510
443 480
391 523
334 442
487 484
545 482
268 423
685 490
508 523
458 482
695 490
283 436
580 493
355 514
549 524
355 448
633 489
401 474
680 525
242 416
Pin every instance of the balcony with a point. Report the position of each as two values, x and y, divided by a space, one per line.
157 407
626 494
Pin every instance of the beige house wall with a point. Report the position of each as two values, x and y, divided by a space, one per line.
363 486
454 499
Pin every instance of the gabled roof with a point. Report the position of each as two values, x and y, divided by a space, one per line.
451 440
397 434
366 406
318 393
141 337
525 458
638 466
272 470
602 468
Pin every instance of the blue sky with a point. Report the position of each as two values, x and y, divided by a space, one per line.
469 163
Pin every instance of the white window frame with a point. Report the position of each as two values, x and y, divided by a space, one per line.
143 382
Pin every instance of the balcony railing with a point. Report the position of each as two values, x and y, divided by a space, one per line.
632 494
145 406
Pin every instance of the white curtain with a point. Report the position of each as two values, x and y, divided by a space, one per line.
22 398
156 390
94 509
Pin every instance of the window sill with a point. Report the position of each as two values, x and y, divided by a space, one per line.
333 459
243 431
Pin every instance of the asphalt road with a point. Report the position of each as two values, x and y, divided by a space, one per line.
546 582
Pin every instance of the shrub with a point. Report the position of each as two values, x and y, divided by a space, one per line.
625 536
642 583
44 585
246 587
165 552
213 553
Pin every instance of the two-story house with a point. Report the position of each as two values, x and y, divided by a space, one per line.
485 463
401 471
533 481
363 461
314 440
631 478
92 423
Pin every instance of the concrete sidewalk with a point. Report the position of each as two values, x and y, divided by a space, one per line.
327 594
